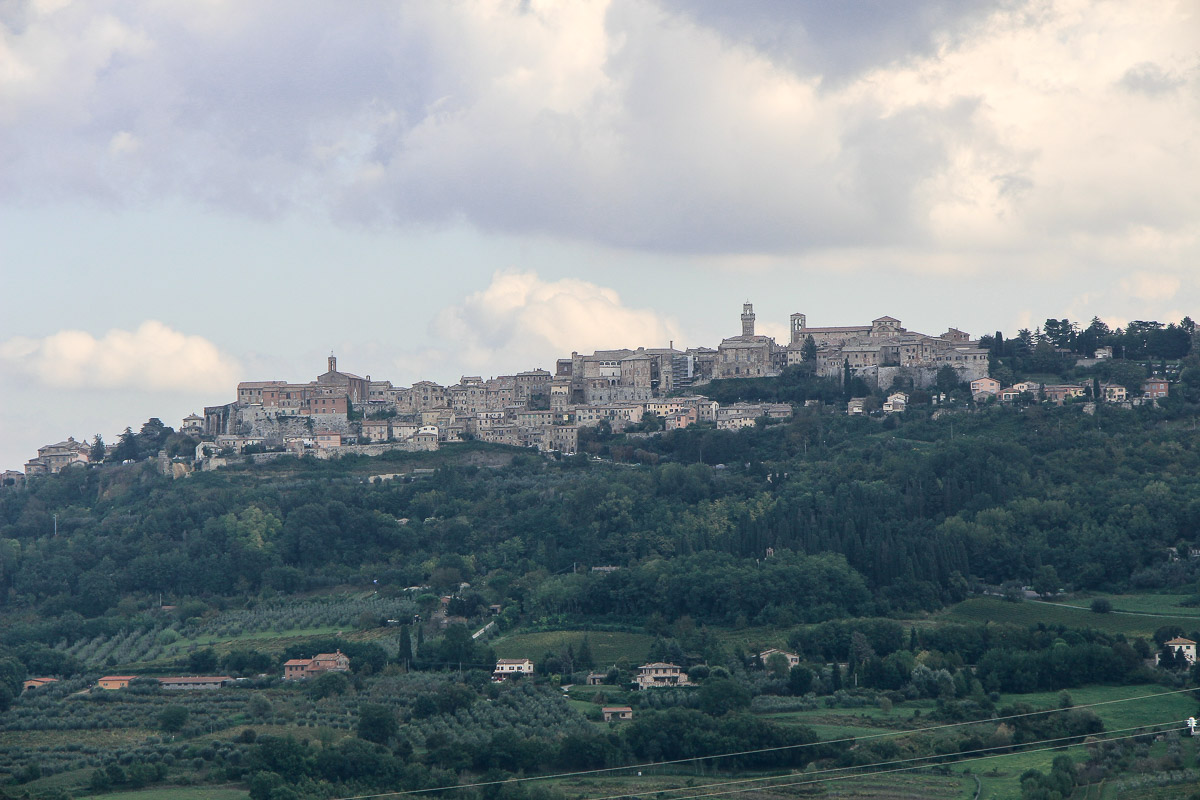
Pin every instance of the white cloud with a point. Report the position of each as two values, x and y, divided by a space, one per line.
520 321
1151 286
152 358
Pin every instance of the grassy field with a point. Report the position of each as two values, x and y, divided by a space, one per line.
1156 707
1167 605
993 609
181 793
901 786
608 647
999 774
764 636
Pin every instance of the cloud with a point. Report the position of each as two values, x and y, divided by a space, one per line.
1151 286
1150 79
153 358
980 127
520 321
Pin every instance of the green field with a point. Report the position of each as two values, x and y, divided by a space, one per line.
181 793
996 610
1163 604
608 647
831 783
1152 710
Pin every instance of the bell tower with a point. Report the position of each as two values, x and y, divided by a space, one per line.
332 363
747 319
798 323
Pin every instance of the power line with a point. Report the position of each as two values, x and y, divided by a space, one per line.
952 757
648 765
889 771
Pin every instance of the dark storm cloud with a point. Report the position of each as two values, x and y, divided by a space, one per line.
840 39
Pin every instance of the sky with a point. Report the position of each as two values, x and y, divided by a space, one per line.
193 194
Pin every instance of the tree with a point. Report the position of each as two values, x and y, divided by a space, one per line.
1101 605
97 453
1045 580
152 436
584 659
947 379
800 680
808 351
172 718
202 661
126 449
457 646
1170 658
12 677
404 649
1044 358
721 695
377 723
778 664
263 783
328 684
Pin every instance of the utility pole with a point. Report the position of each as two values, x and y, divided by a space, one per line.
56 524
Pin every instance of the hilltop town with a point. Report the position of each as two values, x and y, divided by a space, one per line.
342 412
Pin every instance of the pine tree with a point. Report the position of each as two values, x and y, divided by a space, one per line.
808 351
127 449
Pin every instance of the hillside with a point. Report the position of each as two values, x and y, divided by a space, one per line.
847 540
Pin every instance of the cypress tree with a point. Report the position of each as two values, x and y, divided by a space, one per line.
405 646
584 660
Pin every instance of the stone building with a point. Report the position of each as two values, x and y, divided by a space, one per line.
355 389
54 458
885 349
747 355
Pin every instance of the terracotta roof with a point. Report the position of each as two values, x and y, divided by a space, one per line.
118 677
196 679
1180 640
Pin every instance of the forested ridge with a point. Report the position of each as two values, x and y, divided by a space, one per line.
822 516
829 534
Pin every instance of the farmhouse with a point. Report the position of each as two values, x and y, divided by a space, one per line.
660 674
299 668
195 682
616 712
114 681
1180 646
793 660
507 667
